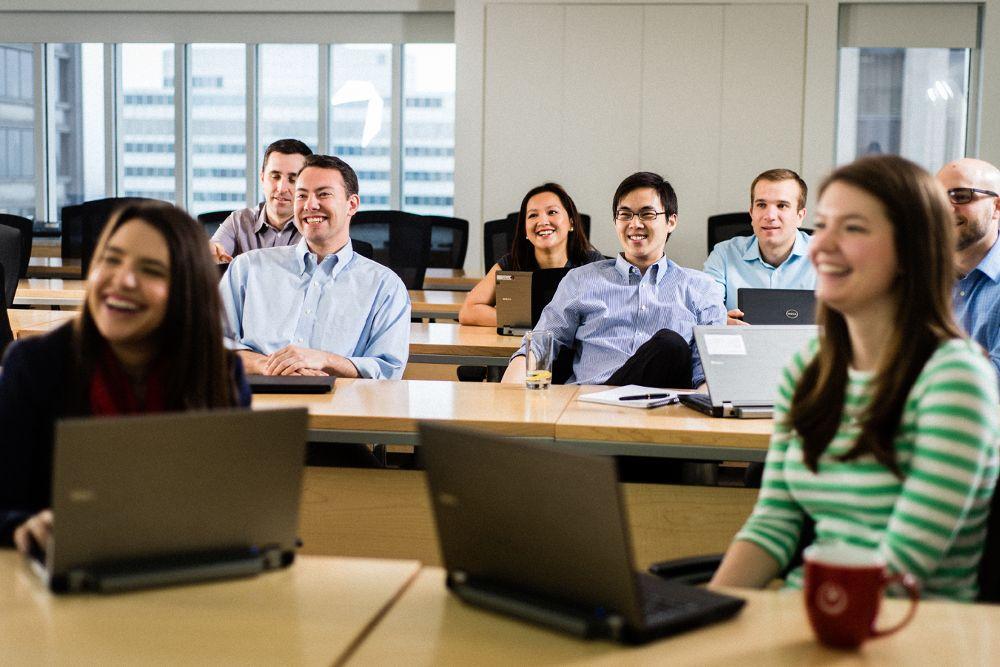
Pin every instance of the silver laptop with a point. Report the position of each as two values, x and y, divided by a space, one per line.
171 498
541 533
513 302
743 367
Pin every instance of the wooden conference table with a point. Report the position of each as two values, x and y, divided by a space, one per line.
430 343
435 279
440 304
428 626
311 613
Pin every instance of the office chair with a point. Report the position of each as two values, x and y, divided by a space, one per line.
10 260
363 248
699 569
399 240
27 229
726 226
498 238
449 242
6 334
83 223
211 220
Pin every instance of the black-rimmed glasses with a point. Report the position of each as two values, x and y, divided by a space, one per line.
965 195
646 215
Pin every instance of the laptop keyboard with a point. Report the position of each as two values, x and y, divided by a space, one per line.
660 597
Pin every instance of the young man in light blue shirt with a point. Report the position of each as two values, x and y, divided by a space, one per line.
973 187
777 255
318 308
630 320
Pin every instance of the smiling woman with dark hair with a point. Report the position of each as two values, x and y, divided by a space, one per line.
886 434
149 339
548 235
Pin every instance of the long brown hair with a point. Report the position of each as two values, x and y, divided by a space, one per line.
522 253
199 369
923 234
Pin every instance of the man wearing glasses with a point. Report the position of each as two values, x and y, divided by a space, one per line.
972 187
776 255
631 319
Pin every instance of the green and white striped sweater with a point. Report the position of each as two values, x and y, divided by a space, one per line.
932 522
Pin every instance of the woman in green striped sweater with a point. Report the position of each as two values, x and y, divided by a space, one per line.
886 433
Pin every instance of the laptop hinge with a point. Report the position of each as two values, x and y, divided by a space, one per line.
173 569
747 411
557 615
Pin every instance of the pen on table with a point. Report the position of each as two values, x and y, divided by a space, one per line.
642 397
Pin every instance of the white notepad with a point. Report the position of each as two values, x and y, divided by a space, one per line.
614 396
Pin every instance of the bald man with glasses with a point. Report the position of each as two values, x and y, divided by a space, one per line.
973 187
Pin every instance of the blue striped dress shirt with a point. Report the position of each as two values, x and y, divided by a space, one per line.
607 309
737 263
977 303
347 305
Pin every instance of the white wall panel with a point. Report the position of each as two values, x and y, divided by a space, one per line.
763 80
523 108
682 101
602 107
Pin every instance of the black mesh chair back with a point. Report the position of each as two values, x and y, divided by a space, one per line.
10 260
449 241
399 240
6 335
27 229
989 566
498 237
363 248
82 225
726 226
211 220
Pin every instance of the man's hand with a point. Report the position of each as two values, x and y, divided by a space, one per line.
220 254
735 317
253 362
38 527
294 360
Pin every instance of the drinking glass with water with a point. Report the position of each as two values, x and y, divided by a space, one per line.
538 354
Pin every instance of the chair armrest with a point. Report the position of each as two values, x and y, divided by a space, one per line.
693 570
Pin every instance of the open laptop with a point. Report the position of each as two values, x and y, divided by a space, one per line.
290 384
522 296
540 533
777 306
743 367
172 498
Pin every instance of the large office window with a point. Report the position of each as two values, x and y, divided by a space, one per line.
907 92
189 123
361 116
146 128
17 130
216 134
429 128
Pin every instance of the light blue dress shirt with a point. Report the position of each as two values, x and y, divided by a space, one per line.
347 305
737 263
608 309
977 303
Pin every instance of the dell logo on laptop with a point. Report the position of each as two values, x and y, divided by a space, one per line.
792 314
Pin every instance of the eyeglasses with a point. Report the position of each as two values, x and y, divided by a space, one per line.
965 195
646 215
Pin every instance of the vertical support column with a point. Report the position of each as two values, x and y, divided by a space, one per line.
111 96
396 138
180 126
323 99
251 125
41 134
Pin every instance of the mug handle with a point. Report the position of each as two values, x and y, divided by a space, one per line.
907 581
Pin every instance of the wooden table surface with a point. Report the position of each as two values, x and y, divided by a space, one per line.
449 279
428 626
376 406
310 614
34 322
59 292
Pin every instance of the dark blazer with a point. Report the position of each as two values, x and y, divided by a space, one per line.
34 394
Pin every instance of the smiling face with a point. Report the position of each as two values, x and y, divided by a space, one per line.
976 221
278 181
129 286
323 209
643 242
546 223
854 252
775 215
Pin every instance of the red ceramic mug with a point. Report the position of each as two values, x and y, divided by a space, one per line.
843 591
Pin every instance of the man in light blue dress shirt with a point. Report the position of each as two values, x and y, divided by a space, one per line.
630 320
777 255
318 308
973 187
